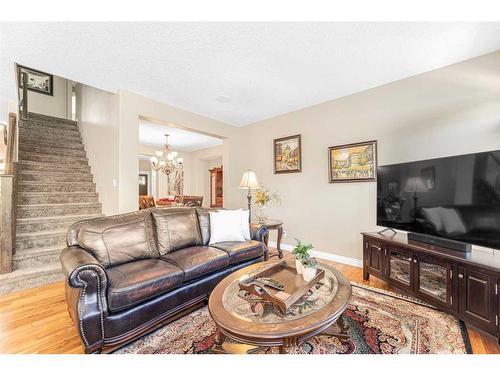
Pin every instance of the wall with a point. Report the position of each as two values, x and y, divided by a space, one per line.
449 111
130 107
97 112
58 105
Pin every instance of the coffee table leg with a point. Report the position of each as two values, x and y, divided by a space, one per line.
278 242
223 347
337 329
219 340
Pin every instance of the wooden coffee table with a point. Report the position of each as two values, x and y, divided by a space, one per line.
251 323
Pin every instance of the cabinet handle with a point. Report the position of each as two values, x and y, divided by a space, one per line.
460 276
376 247
414 261
410 259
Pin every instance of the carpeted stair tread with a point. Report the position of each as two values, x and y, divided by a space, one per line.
30 277
36 116
29 198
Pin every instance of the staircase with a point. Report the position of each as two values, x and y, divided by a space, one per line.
55 189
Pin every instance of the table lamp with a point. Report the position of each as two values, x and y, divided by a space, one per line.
249 181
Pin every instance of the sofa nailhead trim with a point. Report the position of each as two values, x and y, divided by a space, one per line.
83 302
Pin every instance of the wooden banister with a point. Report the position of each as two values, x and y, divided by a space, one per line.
10 154
8 194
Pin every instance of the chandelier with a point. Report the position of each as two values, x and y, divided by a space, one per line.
166 161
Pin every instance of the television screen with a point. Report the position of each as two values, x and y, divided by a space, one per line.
456 197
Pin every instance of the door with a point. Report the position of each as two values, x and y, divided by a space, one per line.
374 258
478 298
434 280
143 184
399 269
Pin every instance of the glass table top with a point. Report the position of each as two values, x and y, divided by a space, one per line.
251 308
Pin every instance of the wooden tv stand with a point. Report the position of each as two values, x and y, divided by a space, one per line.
465 285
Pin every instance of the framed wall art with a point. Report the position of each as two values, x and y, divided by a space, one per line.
353 162
38 81
288 154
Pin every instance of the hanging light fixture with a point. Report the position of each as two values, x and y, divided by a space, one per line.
166 161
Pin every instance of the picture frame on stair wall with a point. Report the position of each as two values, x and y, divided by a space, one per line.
38 81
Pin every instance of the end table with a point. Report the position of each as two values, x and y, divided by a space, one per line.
272 224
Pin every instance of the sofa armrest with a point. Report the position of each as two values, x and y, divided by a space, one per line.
86 295
260 233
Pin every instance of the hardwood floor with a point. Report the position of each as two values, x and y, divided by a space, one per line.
37 321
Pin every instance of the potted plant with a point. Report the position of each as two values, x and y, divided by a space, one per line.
309 265
301 251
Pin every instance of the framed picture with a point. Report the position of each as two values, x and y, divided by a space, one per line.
38 81
353 162
288 154
428 176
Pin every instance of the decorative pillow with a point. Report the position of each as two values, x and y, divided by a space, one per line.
432 215
245 225
225 225
452 221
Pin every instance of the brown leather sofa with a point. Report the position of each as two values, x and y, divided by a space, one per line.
129 274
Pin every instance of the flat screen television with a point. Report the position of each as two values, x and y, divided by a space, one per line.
456 198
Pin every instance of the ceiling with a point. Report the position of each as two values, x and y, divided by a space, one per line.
240 73
179 139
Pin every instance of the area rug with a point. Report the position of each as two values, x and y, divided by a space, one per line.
378 322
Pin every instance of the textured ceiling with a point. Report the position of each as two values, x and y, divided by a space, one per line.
258 70
179 139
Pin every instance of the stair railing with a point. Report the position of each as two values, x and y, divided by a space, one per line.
8 197
23 95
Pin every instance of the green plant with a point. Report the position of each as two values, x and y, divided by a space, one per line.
309 262
301 250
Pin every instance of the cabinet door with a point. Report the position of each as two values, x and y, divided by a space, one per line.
374 257
434 280
399 267
478 298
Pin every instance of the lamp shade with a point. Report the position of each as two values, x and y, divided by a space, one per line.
415 185
249 180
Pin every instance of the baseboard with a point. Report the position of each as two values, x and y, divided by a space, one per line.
324 255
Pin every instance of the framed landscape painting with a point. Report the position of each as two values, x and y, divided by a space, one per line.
288 154
353 162
38 81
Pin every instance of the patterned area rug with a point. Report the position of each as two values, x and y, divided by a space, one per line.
378 322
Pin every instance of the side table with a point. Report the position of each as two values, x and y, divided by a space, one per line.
272 224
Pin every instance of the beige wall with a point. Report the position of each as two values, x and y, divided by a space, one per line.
130 107
97 112
450 111
58 105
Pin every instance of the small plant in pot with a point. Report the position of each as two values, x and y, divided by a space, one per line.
301 251
309 266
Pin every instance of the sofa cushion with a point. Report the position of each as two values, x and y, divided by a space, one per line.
204 223
118 239
241 251
176 228
197 261
134 282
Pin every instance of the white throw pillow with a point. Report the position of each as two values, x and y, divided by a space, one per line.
433 216
245 225
452 221
225 226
